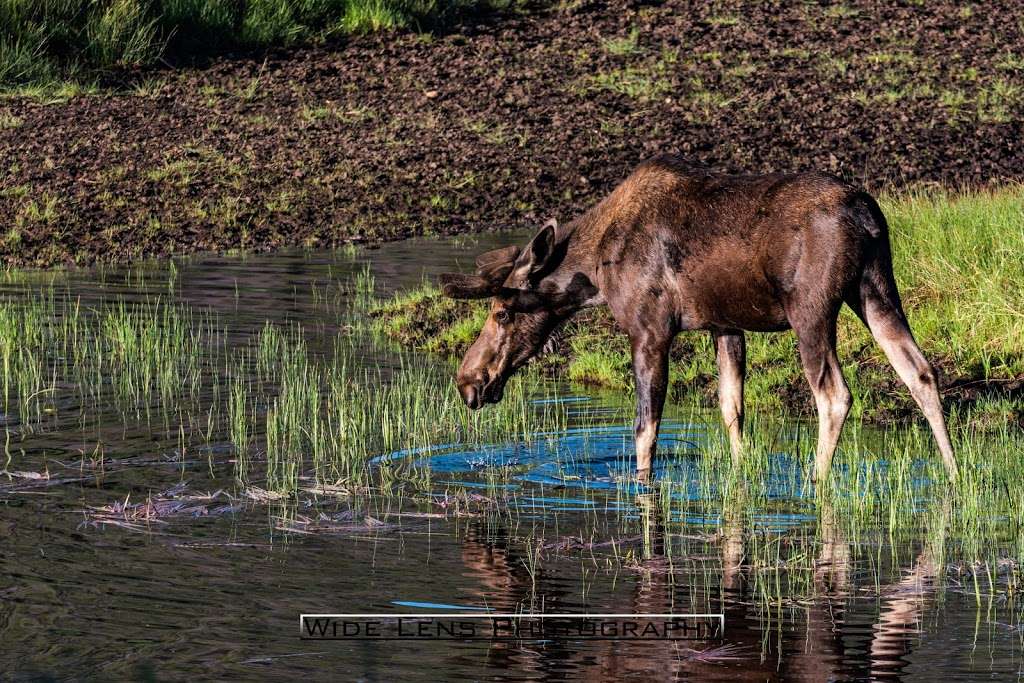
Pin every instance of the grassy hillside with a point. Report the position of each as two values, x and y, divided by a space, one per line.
958 261
46 41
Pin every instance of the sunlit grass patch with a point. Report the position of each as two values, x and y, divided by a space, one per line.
957 258
1000 102
638 82
626 45
724 20
461 333
841 11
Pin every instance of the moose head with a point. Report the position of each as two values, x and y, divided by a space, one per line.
526 307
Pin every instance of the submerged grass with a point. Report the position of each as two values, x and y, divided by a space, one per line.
288 412
334 416
139 353
299 417
886 513
957 259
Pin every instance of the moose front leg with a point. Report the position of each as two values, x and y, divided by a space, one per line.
650 368
730 349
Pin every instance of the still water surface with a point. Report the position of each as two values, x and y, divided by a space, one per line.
216 594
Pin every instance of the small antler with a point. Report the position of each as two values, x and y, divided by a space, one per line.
492 268
495 257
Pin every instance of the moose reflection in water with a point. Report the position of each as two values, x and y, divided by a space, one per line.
820 645
674 248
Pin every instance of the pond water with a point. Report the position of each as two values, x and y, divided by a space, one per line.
210 583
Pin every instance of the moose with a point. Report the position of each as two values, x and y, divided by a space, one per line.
676 247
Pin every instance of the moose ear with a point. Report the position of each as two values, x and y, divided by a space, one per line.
541 255
459 286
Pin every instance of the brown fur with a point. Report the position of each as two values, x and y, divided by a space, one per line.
676 248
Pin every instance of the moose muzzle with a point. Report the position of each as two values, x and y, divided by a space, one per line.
478 389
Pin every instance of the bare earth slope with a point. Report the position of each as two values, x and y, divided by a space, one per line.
508 120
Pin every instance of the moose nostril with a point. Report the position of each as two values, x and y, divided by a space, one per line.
470 395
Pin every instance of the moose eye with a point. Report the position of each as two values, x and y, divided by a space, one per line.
503 316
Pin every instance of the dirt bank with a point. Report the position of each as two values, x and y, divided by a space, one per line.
505 121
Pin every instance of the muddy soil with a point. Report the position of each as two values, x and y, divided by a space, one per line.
506 120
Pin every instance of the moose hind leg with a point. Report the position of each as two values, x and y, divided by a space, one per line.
889 327
831 395
730 350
